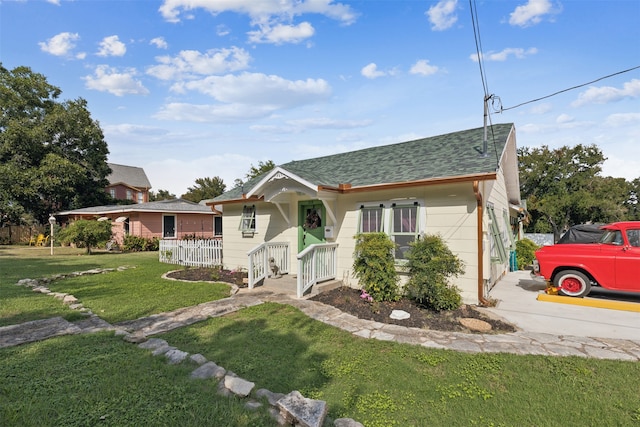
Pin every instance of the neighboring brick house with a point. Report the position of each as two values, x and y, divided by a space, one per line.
164 219
128 183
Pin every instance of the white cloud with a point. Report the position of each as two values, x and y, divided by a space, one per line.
189 63
159 42
371 71
327 123
505 53
107 79
531 13
622 119
423 67
61 44
443 15
564 118
222 30
111 46
56 2
272 17
541 108
244 97
212 113
280 33
606 94
261 89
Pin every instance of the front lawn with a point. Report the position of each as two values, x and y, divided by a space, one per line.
99 379
385 384
120 295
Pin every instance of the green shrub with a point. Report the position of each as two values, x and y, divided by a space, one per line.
140 244
374 266
86 233
525 252
430 265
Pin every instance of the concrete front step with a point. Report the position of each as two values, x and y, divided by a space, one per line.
287 284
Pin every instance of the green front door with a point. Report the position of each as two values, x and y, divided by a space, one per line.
311 221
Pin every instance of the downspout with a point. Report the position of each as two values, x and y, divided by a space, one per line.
481 298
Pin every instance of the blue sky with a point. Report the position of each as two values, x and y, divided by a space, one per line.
190 89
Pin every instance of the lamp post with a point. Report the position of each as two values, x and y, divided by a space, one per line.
52 221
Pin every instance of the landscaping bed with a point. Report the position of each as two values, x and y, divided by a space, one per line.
348 300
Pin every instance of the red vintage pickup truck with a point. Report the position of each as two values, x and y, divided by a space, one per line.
612 263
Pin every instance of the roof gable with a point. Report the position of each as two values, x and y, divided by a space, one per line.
129 175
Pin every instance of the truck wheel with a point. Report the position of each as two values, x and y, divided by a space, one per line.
572 283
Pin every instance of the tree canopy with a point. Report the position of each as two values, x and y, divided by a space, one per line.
563 187
161 195
53 155
255 171
205 188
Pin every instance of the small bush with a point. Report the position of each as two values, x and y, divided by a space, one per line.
525 252
86 233
374 266
140 244
430 265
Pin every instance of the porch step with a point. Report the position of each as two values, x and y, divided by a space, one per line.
287 284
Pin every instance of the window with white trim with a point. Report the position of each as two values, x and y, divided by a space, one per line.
129 195
248 219
404 227
371 219
140 197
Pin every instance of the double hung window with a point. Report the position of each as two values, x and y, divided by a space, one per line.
248 219
404 228
371 219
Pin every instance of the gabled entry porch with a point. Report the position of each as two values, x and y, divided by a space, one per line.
316 264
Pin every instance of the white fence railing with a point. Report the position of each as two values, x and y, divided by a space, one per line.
317 263
192 253
259 260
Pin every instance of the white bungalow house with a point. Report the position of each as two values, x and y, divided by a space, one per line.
305 213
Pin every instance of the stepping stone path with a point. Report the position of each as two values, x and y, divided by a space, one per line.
294 408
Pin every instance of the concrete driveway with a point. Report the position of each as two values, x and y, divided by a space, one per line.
517 292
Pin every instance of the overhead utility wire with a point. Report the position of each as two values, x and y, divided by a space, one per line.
487 97
476 35
568 89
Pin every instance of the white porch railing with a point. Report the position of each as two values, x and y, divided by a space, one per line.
259 260
192 253
317 263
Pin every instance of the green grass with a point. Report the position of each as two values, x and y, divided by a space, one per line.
115 296
388 384
99 379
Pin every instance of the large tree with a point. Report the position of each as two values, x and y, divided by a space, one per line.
205 188
563 187
53 155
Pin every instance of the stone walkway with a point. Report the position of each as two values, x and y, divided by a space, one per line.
520 342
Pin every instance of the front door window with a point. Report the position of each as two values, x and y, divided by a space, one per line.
311 220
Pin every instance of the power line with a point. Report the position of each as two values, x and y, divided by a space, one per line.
476 35
568 89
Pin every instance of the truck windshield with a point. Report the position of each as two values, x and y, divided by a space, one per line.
612 237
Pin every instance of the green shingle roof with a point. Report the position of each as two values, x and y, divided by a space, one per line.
444 156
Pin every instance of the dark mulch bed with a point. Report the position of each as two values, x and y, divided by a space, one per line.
348 300
209 275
